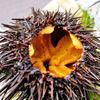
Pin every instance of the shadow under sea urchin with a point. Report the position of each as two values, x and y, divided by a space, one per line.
19 75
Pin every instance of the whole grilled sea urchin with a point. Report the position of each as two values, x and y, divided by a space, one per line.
49 56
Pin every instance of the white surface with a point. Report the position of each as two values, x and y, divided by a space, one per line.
18 9
62 5
93 11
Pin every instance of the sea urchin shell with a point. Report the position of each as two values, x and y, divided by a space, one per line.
27 47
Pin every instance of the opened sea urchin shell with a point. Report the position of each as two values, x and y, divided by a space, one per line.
49 56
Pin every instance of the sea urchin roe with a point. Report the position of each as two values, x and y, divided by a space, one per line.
53 50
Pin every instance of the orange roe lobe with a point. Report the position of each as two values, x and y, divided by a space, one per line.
55 60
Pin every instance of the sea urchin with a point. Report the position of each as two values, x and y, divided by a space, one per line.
49 56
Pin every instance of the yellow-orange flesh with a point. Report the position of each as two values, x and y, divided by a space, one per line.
54 60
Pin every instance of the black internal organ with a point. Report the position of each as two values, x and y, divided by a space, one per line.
46 64
57 35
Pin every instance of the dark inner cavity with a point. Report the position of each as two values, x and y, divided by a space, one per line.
46 65
57 34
